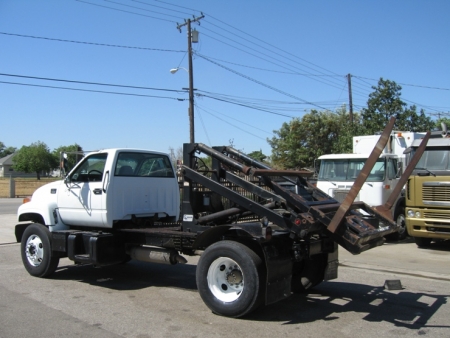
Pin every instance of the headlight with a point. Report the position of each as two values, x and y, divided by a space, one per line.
417 214
410 213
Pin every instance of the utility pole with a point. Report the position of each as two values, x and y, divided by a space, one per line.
191 73
350 100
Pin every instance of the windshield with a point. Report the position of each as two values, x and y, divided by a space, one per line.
434 159
349 169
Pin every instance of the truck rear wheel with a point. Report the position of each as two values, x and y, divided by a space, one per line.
36 251
229 279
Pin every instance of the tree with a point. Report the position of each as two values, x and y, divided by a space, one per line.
300 142
34 158
384 103
441 120
257 155
5 151
410 120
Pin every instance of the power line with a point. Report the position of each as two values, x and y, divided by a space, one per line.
121 10
251 36
269 59
90 90
405 84
142 9
274 50
259 82
270 70
231 124
173 10
247 106
92 43
90 83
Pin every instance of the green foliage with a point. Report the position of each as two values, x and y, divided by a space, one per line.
410 120
257 155
445 120
34 158
384 103
298 143
301 141
5 151
204 163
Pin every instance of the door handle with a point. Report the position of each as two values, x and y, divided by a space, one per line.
97 191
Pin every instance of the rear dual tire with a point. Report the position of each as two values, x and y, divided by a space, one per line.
230 279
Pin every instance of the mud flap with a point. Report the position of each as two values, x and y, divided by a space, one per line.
279 270
331 271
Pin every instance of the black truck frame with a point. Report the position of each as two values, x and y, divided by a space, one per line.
260 233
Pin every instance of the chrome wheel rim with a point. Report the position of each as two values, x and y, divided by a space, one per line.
34 250
225 279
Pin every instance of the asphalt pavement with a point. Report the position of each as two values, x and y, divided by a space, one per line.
143 300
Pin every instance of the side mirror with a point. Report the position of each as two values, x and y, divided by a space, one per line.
444 129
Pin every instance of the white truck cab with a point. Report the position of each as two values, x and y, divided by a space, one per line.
107 187
338 173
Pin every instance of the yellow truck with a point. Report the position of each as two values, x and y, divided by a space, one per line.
428 193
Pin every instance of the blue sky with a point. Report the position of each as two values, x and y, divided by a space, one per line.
257 64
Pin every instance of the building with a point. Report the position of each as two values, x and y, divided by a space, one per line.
7 170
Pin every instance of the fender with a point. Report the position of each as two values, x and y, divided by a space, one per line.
43 207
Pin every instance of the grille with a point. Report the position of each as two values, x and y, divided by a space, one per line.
339 195
436 215
436 193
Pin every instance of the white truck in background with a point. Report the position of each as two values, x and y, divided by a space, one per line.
338 173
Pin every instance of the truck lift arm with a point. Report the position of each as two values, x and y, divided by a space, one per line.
252 188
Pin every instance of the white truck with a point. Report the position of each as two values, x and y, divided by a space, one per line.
338 172
257 241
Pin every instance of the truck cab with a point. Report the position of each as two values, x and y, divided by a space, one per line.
108 187
338 172
428 193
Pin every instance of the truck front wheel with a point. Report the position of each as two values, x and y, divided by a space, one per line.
422 242
229 279
36 251
402 231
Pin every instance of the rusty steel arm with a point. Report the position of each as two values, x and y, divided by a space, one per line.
384 209
350 198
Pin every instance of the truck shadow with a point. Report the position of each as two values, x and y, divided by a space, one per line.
439 245
332 300
328 302
133 275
